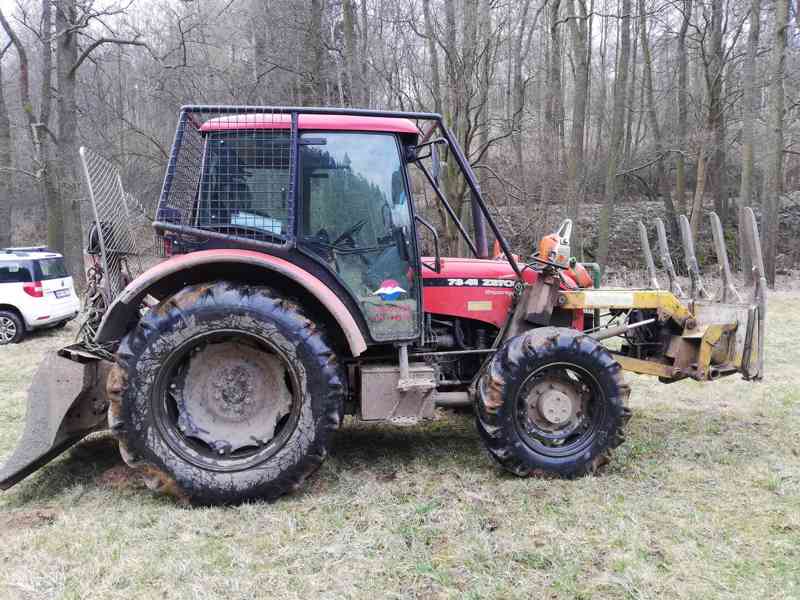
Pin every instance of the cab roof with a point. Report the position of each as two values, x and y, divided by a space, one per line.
311 121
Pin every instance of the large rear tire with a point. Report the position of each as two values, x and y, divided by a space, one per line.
552 401
225 393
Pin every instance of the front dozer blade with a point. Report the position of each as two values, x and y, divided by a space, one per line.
66 402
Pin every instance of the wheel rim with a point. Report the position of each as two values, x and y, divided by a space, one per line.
8 330
227 400
559 409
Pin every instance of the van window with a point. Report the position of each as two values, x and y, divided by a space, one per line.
15 272
50 268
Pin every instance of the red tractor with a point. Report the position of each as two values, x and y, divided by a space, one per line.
294 293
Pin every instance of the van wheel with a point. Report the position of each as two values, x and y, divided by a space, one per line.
225 392
11 327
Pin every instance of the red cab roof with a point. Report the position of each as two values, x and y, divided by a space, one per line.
310 121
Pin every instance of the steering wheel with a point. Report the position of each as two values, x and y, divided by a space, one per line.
351 231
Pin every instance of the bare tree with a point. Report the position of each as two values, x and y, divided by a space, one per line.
683 106
575 158
617 133
6 164
41 138
715 71
749 116
775 159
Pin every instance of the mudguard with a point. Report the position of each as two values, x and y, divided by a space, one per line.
195 267
66 402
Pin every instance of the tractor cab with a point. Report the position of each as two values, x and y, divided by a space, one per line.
333 188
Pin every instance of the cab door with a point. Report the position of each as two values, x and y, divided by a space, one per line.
355 217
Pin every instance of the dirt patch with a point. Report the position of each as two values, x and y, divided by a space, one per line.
120 477
26 519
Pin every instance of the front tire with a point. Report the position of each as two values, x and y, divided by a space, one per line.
552 401
225 393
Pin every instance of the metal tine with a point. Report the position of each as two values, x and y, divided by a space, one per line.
698 290
727 292
648 257
666 259
760 288
754 242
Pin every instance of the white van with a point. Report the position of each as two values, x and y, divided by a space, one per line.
35 291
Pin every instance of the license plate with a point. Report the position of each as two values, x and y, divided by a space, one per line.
62 293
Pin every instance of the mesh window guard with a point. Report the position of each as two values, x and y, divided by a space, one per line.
230 175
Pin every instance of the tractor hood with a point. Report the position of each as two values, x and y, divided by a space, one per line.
471 288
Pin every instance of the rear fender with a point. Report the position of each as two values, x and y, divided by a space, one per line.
175 273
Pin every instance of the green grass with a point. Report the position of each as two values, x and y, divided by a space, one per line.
703 501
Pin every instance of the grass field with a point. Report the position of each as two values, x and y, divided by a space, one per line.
703 501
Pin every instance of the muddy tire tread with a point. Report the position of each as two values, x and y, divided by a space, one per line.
308 446
509 368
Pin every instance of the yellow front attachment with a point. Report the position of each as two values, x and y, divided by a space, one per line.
699 335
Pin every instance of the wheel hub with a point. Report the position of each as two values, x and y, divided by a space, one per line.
555 405
233 392
8 329
233 396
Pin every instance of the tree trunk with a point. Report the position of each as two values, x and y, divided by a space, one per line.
699 191
716 112
554 111
617 133
518 95
647 82
68 178
631 94
484 81
6 164
683 109
365 98
433 57
314 88
602 97
749 116
350 61
575 158
775 161
44 146
260 48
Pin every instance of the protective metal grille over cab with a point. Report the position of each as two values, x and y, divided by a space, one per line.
231 174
